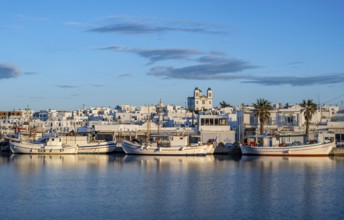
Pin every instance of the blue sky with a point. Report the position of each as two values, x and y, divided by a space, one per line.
66 54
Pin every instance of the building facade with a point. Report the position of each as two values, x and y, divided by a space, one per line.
199 101
8 114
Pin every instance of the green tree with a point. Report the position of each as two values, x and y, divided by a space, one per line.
262 111
224 104
308 108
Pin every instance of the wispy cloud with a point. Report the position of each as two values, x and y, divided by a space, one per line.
30 73
37 98
216 65
154 55
40 98
9 71
72 23
145 29
325 79
122 76
229 71
137 25
99 85
295 63
211 65
21 16
213 58
213 70
68 86
8 27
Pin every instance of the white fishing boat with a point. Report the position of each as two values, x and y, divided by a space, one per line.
105 147
319 149
46 145
322 148
167 145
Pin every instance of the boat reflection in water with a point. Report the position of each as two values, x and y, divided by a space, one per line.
280 162
176 160
179 164
178 187
26 162
103 160
172 161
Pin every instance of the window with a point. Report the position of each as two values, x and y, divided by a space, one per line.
202 121
209 102
223 121
203 102
207 122
211 121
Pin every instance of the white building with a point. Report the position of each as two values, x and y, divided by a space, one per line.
200 102
215 127
130 108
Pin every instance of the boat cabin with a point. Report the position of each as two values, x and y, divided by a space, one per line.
52 141
286 140
179 141
171 140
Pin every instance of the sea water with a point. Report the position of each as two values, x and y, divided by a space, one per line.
163 187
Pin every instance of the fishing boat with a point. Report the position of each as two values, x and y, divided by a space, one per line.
89 145
322 148
46 145
165 144
171 145
104 147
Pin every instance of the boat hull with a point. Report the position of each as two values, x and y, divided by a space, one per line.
97 148
136 149
321 149
29 148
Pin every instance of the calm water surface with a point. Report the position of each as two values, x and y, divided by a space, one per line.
151 187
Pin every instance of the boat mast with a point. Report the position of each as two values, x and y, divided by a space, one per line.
159 115
148 127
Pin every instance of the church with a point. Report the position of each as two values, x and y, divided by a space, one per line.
200 102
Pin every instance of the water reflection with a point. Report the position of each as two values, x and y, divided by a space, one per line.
300 184
158 160
26 162
280 162
210 187
103 160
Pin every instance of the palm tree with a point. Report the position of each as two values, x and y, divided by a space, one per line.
309 108
263 108
224 104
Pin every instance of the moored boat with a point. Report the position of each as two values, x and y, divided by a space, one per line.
318 149
171 145
166 144
322 148
97 147
49 145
